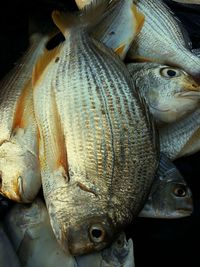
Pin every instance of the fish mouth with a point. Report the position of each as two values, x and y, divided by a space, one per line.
159 109
193 95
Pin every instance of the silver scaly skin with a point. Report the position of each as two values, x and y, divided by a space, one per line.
19 164
181 138
162 39
170 92
170 197
97 142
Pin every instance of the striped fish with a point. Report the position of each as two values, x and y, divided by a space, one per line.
162 39
97 153
119 26
19 165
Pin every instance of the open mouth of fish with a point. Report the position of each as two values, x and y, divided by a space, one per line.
159 109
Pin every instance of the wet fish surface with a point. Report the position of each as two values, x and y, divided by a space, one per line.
162 39
170 196
170 92
197 2
30 231
98 153
19 165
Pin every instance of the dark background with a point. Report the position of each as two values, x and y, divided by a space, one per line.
157 242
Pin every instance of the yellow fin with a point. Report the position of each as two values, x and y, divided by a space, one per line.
19 120
42 63
140 18
120 50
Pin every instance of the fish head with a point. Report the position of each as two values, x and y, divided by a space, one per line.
91 234
80 219
170 198
171 93
19 173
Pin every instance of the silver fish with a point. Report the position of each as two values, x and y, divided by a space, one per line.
98 152
119 26
30 231
8 257
169 91
19 164
162 39
181 138
120 253
170 197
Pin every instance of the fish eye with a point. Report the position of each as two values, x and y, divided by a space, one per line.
180 191
97 233
170 73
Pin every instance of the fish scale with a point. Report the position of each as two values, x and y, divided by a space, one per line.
97 142
169 43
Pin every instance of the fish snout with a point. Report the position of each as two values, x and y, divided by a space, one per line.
92 234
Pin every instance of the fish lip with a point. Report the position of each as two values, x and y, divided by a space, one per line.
193 95
158 109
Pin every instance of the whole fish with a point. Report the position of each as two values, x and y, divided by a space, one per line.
170 197
197 2
181 138
120 253
119 26
162 39
8 257
170 92
19 164
98 154
30 231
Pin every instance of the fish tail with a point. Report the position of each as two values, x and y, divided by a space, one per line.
87 18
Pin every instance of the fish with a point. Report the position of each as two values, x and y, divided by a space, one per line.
163 39
169 92
8 257
19 163
97 143
196 2
170 196
181 138
120 253
119 26
29 229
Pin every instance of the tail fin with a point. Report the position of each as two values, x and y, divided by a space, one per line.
88 17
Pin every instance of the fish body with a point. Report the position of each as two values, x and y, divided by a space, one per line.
181 138
30 231
169 92
170 197
8 257
120 25
162 39
120 253
19 164
97 143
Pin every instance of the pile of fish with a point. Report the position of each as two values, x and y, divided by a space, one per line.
89 130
